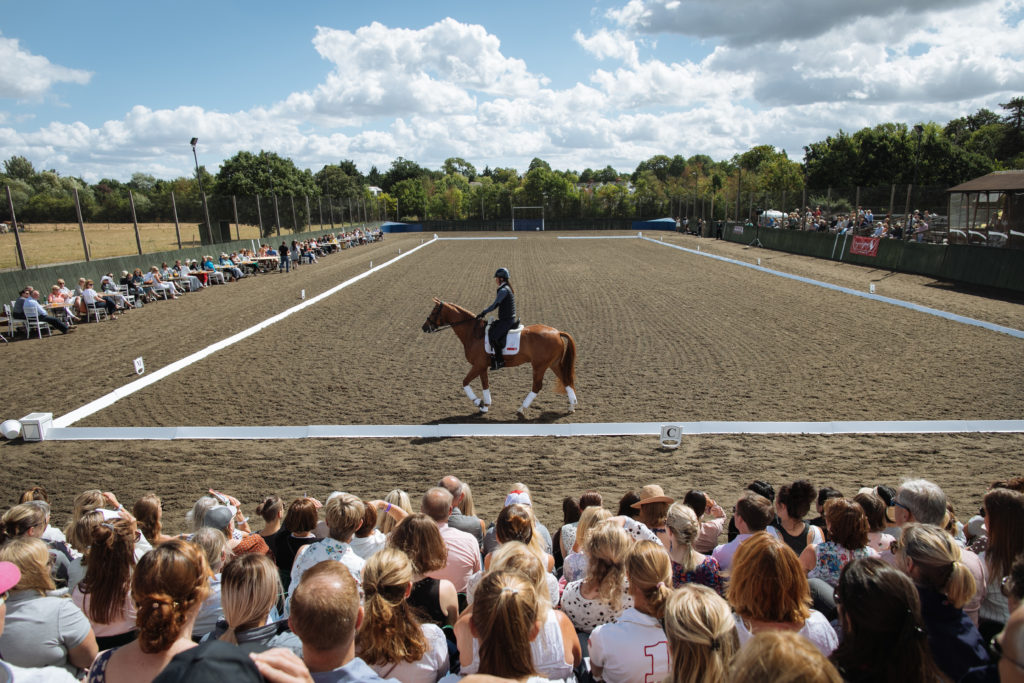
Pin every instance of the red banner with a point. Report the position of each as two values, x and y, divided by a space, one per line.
865 246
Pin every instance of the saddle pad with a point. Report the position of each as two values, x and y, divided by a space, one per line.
511 341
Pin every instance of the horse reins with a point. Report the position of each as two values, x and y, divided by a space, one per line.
445 327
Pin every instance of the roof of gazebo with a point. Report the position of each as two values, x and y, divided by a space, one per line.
993 182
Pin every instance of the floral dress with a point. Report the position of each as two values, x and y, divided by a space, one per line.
587 614
706 573
831 558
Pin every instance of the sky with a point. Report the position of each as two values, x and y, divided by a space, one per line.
107 89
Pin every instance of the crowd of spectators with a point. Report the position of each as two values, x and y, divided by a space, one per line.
884 585
860 222
63 308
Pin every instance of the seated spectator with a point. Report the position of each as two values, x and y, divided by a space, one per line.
874 509
931 558
215 549
633 649
109 289
299 524
753 514
710 529
222 518
626 508
27 304
556 649
104 593
419 538
825 494
208 266
169 585
41 631
184 272
9 578
516 523
520 495
459 519
156 284
883 632
38 493
761 488
1010 643
344 514
1004 519
368 539
773 656
396 498
148 512
80 538
29 519
701 635
602 596
463 558
653 506
271 510
55 297
792 505
922 501
391 638
93 299
848 530
233 271
768 591
249 590
575 566
571 520
689 566
325 616
64 290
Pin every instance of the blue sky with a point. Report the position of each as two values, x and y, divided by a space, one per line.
108 89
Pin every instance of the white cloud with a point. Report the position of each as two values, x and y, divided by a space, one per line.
24 75
610 44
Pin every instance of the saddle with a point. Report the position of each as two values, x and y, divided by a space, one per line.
511 341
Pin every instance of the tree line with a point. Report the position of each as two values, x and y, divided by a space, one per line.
888 154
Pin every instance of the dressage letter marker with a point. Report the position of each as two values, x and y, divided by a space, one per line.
140 367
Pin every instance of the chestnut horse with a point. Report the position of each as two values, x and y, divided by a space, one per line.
542 346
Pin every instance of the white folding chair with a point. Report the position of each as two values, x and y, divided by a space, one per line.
12 323
96 311
34 324
123 291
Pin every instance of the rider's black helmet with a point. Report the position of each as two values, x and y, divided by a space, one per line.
502 273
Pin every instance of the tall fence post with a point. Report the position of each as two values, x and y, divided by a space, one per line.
81 227
17 232
906 210
320 207
177 228
259 215
857 202
330 209
277 216
295 219
135 222
309 225
892 200
234 206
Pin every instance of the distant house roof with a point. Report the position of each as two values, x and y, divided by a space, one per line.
374 190
993 182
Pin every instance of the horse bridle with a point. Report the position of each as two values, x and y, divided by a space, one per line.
434 327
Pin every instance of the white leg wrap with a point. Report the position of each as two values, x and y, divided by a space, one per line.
572 395
528 400
487 397
471 394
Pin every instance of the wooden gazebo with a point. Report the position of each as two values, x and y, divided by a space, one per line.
988 210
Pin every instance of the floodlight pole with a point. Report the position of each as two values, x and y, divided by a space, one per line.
199 177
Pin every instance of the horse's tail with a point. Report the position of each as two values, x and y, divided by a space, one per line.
567 366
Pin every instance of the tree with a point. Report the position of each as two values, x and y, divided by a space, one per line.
1015 117
266 174
538 163
658 165
19 168
401 169
607 175
459 165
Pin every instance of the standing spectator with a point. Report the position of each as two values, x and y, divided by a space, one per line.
285 262
41 630
634 649
325 616
701 635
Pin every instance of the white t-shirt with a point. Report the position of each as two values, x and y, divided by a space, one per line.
816 629
634 649
548 650
428 669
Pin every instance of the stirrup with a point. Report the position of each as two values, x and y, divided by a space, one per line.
497 361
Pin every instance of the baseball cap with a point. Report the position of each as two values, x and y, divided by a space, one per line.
219 516
517 498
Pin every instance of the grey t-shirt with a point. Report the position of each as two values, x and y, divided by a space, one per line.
40 630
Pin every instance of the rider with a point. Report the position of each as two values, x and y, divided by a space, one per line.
505 302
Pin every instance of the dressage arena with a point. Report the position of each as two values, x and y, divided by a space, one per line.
664 336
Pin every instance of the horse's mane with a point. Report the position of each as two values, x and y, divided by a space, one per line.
478 328
460 309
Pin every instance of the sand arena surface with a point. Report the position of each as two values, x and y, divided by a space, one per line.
662 335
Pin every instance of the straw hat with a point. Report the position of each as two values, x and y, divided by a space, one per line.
652 493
